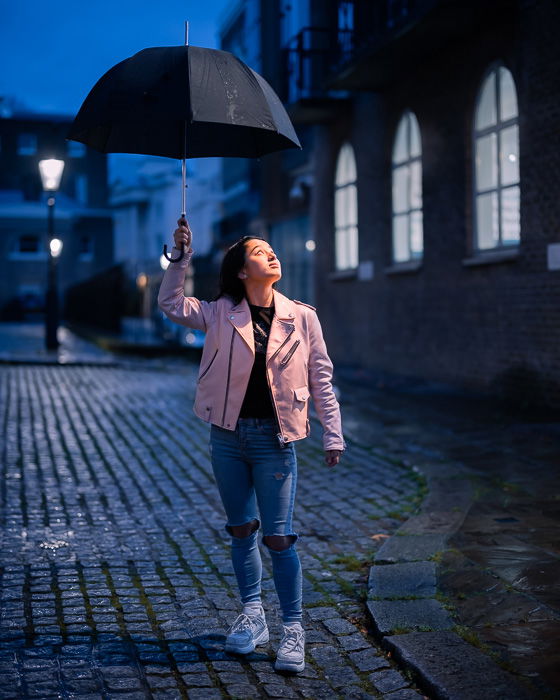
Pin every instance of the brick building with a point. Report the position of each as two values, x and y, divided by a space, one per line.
82 219
435 151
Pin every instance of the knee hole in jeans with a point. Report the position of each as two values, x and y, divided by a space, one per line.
245 530
279 543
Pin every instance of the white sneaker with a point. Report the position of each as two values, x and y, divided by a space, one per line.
247 632
291 652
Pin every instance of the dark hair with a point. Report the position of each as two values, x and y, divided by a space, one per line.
232 264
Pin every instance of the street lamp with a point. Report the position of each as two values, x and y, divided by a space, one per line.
51 174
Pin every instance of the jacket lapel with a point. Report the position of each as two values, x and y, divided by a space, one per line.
282 324
240 318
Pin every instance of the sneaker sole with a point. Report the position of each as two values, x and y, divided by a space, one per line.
261 639
289 666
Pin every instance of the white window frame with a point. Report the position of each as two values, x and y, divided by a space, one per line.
345 230
493 73
410 122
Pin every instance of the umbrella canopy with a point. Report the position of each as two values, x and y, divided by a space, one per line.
183 102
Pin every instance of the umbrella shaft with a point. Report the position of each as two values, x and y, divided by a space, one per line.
184 189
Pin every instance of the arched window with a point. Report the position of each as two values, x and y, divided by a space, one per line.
346 211
408 237
496 169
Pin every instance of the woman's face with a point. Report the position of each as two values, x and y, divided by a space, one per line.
261 263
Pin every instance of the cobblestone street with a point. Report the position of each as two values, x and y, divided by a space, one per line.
116 578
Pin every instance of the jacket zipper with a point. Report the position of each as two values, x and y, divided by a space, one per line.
210 365
280 436
228 375
288 356
284 343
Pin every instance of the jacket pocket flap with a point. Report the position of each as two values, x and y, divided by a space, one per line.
302 394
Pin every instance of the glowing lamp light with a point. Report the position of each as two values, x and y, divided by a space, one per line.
56 247
310 245
142 280
51 173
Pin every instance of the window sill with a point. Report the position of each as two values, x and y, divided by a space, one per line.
29 257
343 275
403 267
490 257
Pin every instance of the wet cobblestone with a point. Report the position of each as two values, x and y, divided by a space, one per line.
115 576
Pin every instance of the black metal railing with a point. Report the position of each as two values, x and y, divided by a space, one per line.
307 58
367 24
316 54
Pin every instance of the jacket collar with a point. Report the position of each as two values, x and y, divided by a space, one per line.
239 315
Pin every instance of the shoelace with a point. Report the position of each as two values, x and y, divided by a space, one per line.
293 638
242 623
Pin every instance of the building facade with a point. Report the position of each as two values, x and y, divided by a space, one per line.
270 196
82 219
433 208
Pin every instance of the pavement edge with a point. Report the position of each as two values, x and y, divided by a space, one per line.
403 604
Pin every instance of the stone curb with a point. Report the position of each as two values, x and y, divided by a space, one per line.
403 605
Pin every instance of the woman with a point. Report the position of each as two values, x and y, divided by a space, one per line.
263 358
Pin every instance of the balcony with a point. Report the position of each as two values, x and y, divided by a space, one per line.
307 60
377 41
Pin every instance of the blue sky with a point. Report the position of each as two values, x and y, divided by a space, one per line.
53 52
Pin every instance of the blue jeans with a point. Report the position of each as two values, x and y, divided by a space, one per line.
252 469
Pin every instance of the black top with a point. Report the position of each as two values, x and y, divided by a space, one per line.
258 402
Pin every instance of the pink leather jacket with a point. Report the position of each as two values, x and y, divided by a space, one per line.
297 362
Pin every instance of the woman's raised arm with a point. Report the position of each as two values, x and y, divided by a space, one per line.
186 311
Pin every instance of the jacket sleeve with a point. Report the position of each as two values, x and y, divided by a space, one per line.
187 311
320 386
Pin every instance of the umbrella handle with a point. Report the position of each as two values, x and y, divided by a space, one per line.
174 259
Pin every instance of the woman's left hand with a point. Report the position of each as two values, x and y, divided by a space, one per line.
332 457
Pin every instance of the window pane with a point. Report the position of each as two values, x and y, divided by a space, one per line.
487 220
416 234
340 249
29 244
486 163
415 142
400 238
508 95
340 207
352 204
353 247
400 149
416 185
486 110
400 189
509 155
510 215
346 165
27 144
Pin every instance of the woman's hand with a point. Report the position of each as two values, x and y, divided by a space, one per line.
182 234
332 457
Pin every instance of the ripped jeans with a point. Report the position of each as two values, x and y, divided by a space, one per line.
252 469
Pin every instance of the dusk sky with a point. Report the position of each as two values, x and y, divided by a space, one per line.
52 53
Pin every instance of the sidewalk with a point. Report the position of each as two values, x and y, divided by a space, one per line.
480 562
25 343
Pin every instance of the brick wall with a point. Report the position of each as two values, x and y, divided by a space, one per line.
493 327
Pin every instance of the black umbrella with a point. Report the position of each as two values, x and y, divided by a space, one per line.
183 102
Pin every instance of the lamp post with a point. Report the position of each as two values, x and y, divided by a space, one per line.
51 174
